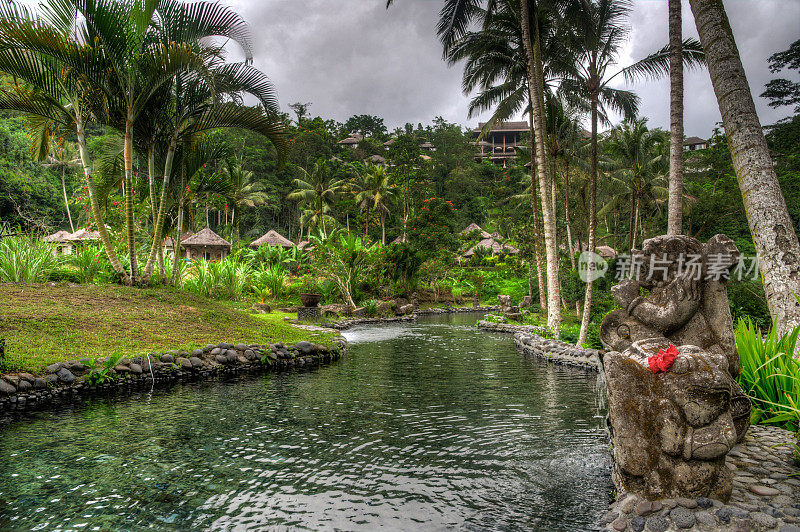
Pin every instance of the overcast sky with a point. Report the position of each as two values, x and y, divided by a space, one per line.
351 57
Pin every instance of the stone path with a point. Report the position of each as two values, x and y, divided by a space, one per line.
766 494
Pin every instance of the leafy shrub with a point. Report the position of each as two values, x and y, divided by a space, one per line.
101 372
271 278
88 259
370 308
67 275
25 259
770 375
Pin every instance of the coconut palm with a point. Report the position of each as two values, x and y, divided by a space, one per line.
63 155
375 194
635 158
244 191
773 233
599 29
675 209
316 192
56 95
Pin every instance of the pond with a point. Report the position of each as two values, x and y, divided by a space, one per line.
425 425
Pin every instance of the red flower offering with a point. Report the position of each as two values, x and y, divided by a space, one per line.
662 361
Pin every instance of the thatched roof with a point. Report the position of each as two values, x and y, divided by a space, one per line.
57 238
83 234
272 238
475 227
389 142
607 252
426 146
168 243
504 126
377 159
400 239
493 245
693 141
206 237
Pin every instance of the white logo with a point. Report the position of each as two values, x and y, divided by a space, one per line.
591 266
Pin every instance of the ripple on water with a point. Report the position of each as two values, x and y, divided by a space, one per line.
424 425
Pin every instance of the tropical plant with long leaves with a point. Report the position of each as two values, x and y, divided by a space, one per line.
375 195
316 192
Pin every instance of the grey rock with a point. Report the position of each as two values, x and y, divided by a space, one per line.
767 521
216 351
184 363
52 368
136 369
39 383
682 517
51 378
703 502
763 491
304 347
627 505
197 352
609 517
240 347
789 528
705 519
7 388
648 507
620 524
166 358
24 386
637 523
65 376
222 359
687 503
658 523
196 362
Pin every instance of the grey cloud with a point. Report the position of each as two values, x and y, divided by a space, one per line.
353 56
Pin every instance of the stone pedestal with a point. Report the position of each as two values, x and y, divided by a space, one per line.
309 313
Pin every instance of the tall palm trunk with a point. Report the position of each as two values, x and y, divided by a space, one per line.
566 215
176 256
774 235
158 223
537 230
66 200
587 299
94 204
675 208
536 88
129 229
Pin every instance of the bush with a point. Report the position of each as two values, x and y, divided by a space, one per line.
88 260
770 375
24 259
370 308
65 275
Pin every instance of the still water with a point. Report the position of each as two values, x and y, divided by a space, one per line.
422 426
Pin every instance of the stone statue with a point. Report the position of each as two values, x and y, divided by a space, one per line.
672 426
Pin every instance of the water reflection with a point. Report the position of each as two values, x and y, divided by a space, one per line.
424 425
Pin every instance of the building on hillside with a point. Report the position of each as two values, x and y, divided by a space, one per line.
500 142
694 143
376 159
493 246
427 146
206 245
351 141
83 236
272 238
60 243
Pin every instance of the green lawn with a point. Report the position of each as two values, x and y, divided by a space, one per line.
43 324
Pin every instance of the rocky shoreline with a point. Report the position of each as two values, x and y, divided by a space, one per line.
346 324
766 494
67 381
528 341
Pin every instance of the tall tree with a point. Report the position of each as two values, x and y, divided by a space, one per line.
675 208
773 233
375 194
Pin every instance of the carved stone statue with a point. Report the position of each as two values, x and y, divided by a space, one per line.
671 429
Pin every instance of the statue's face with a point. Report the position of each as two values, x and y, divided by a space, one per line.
664 258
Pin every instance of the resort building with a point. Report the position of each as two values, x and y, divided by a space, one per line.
351 141
499 144
60 243
206 245
272 238
169 244
694 143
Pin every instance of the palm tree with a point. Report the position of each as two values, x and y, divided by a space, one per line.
63 155
675 209
316 191
375 194
774 236
41 52
244 191
635 158
598 30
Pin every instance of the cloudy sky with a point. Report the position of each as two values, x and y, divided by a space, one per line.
351 57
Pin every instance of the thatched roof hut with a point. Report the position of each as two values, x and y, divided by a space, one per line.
272 238
493 245
59 237
377 159
475 227
206 244
400 239
83 235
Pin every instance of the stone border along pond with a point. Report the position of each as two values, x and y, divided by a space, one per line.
347 323
66 381
766 479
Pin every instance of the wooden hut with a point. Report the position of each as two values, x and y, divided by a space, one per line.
492 245
60 242
272 238
82 237
475 227
206 245
169 244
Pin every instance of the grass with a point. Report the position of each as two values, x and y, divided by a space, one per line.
43 324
